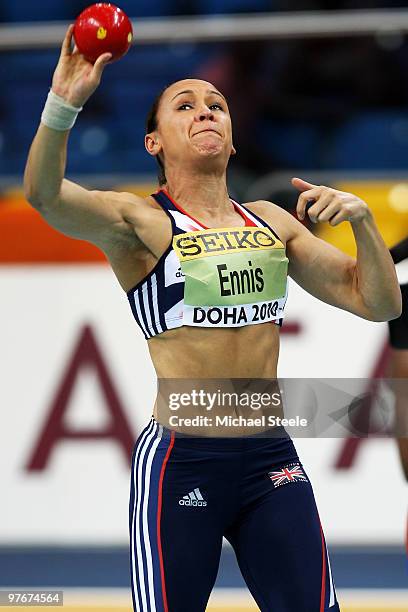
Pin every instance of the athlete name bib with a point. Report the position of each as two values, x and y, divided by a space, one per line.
233 276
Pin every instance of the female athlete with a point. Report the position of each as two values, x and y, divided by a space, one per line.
206 279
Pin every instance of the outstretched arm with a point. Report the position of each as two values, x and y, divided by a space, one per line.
366 286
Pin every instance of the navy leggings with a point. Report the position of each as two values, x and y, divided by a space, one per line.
189 492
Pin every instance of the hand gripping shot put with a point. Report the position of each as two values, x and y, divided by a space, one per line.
206 279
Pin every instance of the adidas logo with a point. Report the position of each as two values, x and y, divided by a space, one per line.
194 498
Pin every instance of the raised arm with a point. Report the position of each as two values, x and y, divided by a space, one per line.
366 286
99 217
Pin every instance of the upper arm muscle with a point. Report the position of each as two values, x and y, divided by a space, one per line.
325 272
97 216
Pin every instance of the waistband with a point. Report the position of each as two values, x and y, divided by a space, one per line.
274 435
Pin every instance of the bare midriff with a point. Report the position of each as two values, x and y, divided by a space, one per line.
211 359
189 352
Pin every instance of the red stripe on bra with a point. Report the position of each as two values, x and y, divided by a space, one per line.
248 222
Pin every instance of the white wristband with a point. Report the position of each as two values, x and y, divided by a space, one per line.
59 114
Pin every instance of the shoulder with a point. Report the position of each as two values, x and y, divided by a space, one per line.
135 211
135 219
130 202
285 224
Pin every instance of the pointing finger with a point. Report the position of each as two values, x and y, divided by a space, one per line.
302 185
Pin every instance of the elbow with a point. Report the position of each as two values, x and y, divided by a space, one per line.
382 311
393 311
396 313
36 198
384 317
33 191
32 198
396 310
30 193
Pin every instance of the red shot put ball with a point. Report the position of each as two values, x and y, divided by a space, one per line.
103 28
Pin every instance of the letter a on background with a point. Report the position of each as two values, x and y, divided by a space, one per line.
86 354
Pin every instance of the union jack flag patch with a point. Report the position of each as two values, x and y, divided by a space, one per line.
290 473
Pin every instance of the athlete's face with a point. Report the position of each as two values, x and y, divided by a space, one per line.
193 124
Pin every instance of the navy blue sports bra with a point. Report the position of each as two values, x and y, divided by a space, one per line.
212 277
